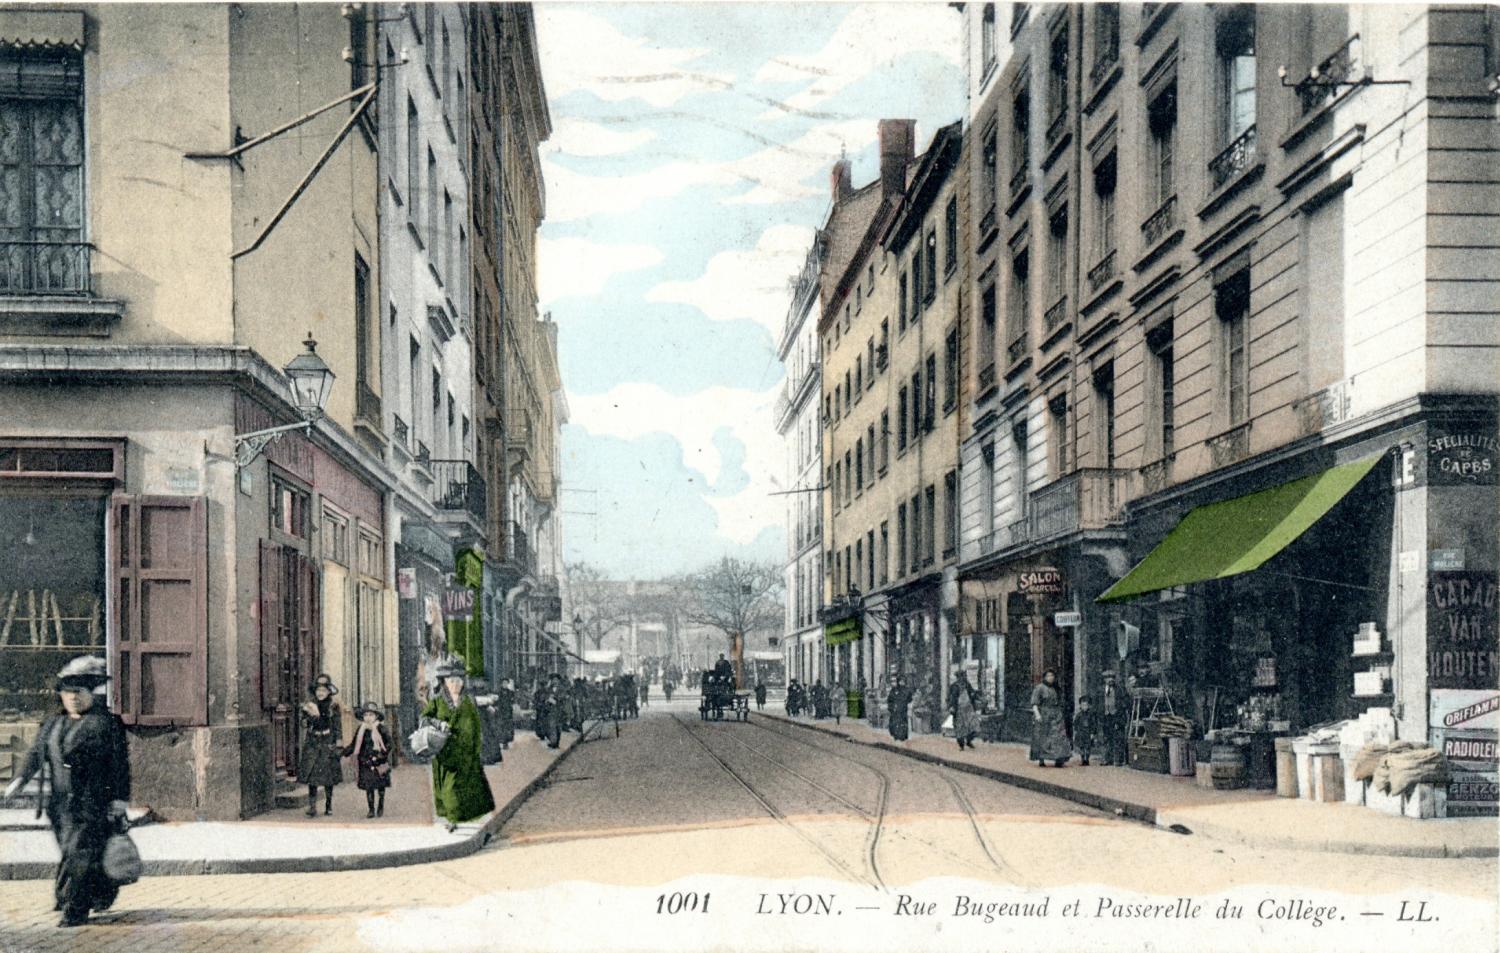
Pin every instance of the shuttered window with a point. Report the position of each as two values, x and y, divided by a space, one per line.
161 608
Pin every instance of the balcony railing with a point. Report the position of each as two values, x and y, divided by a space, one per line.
1236 158
1085 499
518 549
45 268
458 486
987 377
1016 349
1155 228
1323 81
423 454
366 403
400 433
1056 314
1102 272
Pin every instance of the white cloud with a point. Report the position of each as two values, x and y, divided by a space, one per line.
568 267
572 196
582 51
633 410
868 40
781 173
577 137
741 285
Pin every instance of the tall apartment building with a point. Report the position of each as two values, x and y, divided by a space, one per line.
799 423
1285 317
891 366
520 407
441 497
164 255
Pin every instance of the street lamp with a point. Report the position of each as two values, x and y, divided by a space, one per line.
311 380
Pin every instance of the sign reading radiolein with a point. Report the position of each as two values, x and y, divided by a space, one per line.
1465 726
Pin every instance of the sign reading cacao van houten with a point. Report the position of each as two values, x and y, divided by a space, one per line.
1462 457
1463 630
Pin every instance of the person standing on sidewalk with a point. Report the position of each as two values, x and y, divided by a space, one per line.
373 755
760 694
322 734
1084 722
963 705
1112 719
459 790
505 707
1048 740
81 754
897 702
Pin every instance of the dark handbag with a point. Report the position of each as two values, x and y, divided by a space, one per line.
121 861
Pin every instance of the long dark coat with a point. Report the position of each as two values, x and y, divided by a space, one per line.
505 706
322 740
369 761
898 701
85 766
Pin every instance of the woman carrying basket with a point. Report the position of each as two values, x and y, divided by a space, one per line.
460 792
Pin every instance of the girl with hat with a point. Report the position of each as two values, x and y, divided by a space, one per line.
81 754
459 790
373 756
322 732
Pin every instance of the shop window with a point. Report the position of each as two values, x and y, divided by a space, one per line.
289 506
335 536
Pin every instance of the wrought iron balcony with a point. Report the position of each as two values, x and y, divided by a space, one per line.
1322 82
400 433
1087 499
1236 158
1102 272
1056 314
1016 349
1155 228
519 552
45 268
458 486
366 403
423 454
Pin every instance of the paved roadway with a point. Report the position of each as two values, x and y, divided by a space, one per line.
671 798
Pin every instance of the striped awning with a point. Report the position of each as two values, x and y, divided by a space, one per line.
41 29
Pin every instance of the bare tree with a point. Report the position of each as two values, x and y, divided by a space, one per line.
735 596
599 605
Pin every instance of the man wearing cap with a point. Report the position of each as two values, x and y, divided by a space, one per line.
81 755
1112 719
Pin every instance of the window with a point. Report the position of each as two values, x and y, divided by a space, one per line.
848 569
1235 43
929 278
929 528
987 38
870 362
916 284
859 377
1159 344
985 346
362 325
361 72
848 478
870 561
950 370
828 407
1232 304
883 354
916 403
335 536
432 203
900 540
413 161
859 464
1057 82
1057 258
986 494
413 377
859 562
1020 301
848 391
870 450
42 205
1021 454
901 303
859 299
847 316
950 236
885 440
447 237
447 64
929 404
1020 138
1104 410
916 532
428 22
1163 125
1057 412
901 421
289 508
990 188
837 484
1106 39
885 552
1104 208
950 513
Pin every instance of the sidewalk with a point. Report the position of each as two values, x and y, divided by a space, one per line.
1255 818
287 841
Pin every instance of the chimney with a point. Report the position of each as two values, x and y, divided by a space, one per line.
841 182
897 149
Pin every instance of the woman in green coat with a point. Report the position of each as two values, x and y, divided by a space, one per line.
459 790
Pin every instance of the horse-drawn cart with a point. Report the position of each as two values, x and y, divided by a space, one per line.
720 699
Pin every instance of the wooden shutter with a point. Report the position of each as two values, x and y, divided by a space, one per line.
160 651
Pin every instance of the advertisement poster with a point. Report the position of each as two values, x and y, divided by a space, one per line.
734 476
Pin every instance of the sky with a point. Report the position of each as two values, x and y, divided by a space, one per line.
685 176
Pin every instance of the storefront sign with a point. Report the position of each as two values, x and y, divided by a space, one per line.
1032 582
406 583
1463 644
1464 726
1445 560
1066 620
1461 457
458 604
1457 710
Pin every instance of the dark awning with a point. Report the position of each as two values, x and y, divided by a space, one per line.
1234 536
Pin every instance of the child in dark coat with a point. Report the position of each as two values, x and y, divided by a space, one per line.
374 755
1085 727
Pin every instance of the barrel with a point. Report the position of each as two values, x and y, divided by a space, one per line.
1227 766
1286 768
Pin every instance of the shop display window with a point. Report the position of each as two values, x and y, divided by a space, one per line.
52 595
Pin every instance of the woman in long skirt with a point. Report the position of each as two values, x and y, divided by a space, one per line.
898 700
1048 740
964 705
322 742
459 790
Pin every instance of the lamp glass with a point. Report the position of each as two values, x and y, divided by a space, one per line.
311 381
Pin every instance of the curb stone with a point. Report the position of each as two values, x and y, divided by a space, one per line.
328 863
1166 819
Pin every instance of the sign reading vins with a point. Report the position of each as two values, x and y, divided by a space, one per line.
458 603
1463 638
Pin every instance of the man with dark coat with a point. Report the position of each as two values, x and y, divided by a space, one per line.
819 699
580 704
898 700
1112 717
505 706
81 754
760 695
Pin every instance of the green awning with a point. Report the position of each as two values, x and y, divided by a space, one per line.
844 630
1234 536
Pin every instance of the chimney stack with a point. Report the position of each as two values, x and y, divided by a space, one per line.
897 149
841 181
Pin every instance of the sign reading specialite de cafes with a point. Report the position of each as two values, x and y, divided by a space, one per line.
1463 630
1460 457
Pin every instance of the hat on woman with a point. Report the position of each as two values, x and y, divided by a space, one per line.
371 708
85 672
324 681
450 667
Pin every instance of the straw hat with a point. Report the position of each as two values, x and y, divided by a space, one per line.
85 671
